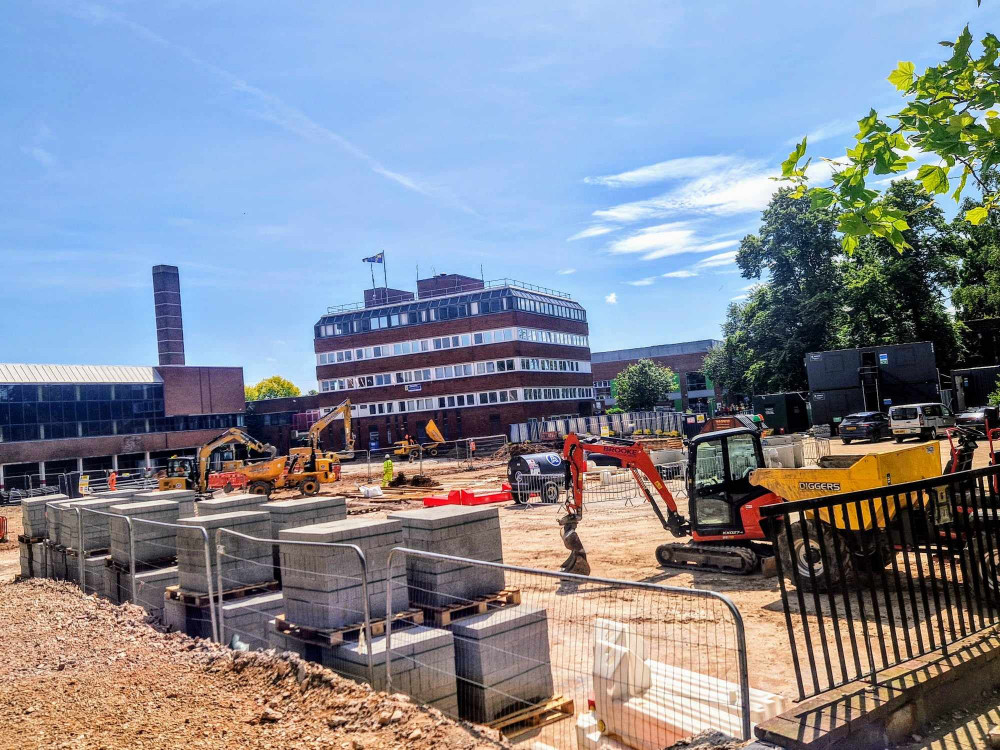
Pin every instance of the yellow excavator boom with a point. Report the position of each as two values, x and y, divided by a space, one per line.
342 409
232 435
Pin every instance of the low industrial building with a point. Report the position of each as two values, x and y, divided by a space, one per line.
693 390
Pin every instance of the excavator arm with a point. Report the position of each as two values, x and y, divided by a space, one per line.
631 456
342 409
232 435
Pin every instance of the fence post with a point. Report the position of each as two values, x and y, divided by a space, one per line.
368 613
388 622
80 549
368 464
131 557
221 617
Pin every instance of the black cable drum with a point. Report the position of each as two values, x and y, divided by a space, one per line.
541 473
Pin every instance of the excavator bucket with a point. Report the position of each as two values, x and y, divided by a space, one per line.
577 560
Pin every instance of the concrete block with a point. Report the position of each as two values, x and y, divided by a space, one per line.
502 662
185 499
306 511
33 515
153 542
248 618
227 503
468 532
56 562
117 584
32 559
96 525
151 586
187 618
322 584
53 518
244 562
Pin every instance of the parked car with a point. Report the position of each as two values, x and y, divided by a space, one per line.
923 421
864 425
976 418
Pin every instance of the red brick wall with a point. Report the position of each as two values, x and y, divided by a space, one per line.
202 390
51 450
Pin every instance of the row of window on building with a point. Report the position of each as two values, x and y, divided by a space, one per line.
12 433
439 343
695 381
463 370
453 308
482 398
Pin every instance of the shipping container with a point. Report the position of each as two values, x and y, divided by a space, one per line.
829 407
974 385
784 412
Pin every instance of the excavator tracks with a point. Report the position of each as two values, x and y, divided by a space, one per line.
719 557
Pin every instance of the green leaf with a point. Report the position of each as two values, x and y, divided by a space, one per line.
867 124
961 185
849 243
789 164
976 216
934 179
821 197
962 45
851 223
902 76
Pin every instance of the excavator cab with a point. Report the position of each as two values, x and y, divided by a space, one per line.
178 475
718 483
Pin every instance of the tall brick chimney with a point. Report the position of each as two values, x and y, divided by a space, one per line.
167 303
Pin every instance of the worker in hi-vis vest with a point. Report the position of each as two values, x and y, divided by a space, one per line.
386 471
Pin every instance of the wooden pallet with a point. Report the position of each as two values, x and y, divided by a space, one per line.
442 617
528 719
141 567
336 636
30 539
198 599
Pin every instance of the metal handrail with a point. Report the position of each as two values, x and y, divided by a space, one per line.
457 289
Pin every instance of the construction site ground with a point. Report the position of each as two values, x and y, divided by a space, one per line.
57 647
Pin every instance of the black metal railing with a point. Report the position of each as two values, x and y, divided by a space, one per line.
873 578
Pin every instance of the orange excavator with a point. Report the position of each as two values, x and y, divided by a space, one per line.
725 507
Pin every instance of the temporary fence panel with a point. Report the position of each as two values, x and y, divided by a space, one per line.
873 578
323 611
815 448
659 663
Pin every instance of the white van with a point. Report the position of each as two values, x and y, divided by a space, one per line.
925 421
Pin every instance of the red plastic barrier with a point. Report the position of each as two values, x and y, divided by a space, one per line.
3 528
467 497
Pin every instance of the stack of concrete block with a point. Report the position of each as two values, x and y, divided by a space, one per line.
305 511
32 559
461 531
322 585
93 571
96 526
53 517
244 563
502 662
194 620
227 503
248 618
184 498
150 587
153 542
423 662
33 515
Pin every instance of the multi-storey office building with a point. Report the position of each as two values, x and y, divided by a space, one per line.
475 357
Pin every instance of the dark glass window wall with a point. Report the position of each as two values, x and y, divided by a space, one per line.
52 412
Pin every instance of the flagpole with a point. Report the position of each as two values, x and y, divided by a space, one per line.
385 278
371 266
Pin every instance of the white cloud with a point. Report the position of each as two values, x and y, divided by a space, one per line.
830 129
642 282
611 299
566 271
39 154
672 169
682 274
739 297
663 240
714 261
595 231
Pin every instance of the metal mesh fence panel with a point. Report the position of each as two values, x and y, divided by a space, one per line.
563 659
323 610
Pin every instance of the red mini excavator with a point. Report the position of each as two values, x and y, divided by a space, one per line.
725 518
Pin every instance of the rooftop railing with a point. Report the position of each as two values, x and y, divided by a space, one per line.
458 288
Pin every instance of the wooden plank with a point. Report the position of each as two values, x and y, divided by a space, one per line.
199 599
336 636
531 718
442 617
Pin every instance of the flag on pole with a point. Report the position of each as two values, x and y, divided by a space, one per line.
377 258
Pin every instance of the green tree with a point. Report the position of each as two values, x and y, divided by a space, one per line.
640 386
794 311
977 293
272 387
952 111
892 298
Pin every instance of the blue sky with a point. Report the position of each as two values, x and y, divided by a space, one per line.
615 150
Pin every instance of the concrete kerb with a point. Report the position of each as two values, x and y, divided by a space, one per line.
744 679
208 563
220 551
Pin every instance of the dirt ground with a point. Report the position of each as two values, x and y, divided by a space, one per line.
620 537
79 672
